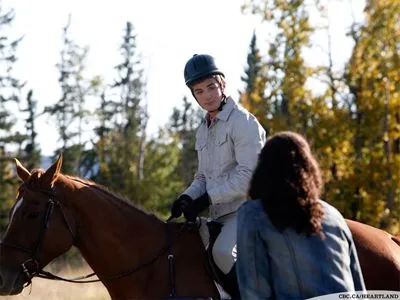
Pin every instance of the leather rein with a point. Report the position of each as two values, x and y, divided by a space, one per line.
31 267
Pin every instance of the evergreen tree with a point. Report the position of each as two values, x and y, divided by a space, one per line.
31 151
353 126
9 95
69 111
161 183
252 98
123 122
287 100
9 86
103 145
183 126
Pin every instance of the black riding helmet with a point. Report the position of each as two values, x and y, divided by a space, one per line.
200 66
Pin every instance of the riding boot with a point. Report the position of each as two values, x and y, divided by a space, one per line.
233 287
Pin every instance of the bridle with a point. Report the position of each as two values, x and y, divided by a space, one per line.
37 271
34 253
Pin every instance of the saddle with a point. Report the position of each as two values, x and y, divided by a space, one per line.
227 281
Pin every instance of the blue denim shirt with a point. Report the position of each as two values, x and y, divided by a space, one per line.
286 265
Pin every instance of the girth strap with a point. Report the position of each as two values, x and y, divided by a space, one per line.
171 263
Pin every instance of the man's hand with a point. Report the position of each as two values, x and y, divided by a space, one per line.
180 205
196 207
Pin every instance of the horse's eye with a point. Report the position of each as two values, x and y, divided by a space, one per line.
32 215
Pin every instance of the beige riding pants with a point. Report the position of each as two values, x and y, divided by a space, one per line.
224 250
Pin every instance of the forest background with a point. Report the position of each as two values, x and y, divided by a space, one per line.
352 120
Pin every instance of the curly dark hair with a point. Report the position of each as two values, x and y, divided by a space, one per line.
288 181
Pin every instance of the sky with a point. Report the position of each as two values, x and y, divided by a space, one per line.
168 32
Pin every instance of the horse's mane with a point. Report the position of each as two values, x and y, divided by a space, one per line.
119 200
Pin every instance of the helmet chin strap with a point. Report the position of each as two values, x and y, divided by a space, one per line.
221 105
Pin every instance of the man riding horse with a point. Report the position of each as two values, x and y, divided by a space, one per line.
228 142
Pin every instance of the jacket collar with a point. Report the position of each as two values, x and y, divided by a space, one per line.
226 110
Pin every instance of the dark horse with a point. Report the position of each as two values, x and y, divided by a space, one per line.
124 245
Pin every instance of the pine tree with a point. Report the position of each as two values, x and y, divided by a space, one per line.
161 183
9 86
183 126
103 145
252 98
69 111
31 151
9 95
353 126
123 122
287 100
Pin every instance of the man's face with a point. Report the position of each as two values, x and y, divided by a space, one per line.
208 94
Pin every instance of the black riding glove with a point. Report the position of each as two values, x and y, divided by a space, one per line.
179 205
196 207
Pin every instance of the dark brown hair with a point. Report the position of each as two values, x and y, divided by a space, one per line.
288 181
219 78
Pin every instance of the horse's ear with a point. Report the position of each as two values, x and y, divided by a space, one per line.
22 172
52 172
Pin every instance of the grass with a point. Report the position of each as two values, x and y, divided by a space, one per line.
59 290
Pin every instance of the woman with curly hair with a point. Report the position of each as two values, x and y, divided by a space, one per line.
291 244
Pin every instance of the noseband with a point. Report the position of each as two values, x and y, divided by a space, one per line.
31 267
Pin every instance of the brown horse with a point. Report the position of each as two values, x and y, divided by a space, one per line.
379 255
127 247
122 244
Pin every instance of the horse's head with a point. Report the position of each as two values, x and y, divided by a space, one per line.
40 228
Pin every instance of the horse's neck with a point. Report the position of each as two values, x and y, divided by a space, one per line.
115 237
111 235
191 277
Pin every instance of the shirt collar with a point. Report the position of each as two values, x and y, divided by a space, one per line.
225 112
